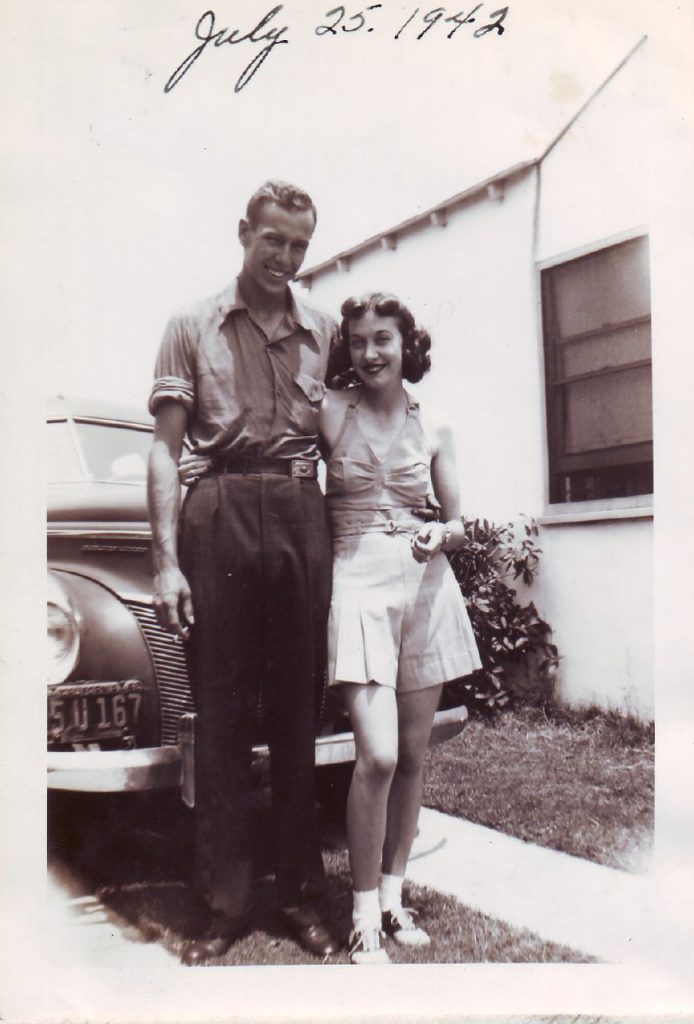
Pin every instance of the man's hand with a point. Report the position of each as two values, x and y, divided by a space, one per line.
173 602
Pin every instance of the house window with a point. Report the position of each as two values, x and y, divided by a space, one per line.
597 332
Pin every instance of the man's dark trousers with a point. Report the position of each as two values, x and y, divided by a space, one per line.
256 552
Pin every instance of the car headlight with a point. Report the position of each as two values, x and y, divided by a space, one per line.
63 629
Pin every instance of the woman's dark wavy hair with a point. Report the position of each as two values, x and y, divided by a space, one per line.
415 340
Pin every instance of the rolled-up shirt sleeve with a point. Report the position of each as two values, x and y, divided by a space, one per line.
174 370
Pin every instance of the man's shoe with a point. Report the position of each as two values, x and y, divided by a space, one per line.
398 923
366 947
310 931
217 938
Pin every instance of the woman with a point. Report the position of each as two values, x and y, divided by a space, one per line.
398 625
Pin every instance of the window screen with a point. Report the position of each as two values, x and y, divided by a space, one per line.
597 333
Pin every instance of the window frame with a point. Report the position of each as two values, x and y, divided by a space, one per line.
608 507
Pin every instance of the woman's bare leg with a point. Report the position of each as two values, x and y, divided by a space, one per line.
374 716
416 710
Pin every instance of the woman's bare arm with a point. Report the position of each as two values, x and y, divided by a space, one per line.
448 534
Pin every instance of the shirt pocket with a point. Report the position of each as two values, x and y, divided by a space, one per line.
307 396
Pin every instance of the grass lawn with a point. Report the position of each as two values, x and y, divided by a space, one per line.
459 935
137 859
577 781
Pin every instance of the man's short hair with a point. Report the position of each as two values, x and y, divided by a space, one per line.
287 196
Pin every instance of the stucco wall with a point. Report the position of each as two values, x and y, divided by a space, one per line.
597 579
594 183
596 587
474 285
476 297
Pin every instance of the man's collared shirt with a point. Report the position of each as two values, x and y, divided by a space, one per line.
246 395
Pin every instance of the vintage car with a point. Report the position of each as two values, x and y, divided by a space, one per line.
120 712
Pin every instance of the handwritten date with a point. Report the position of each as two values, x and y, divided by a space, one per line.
266 35
345 22
206 34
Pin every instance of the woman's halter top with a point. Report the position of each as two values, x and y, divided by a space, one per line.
365 493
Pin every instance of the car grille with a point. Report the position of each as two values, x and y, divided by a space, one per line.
170 666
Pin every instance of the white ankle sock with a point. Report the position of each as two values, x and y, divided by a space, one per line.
366 910
390 892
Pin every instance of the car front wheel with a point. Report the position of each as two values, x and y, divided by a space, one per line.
332 786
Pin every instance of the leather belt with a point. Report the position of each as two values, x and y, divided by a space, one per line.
299 469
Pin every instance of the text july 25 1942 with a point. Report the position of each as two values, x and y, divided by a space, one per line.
269 33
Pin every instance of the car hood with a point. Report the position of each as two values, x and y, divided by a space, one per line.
97 501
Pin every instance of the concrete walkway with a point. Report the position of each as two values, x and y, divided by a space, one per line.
82 931
592 909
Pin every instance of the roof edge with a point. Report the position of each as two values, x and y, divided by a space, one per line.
425 215
473 190
593 96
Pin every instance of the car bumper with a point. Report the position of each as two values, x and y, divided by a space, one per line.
339 748
100 771
115 771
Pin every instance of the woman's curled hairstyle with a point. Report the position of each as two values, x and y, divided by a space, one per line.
415 340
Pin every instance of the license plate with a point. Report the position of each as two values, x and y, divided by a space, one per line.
89 712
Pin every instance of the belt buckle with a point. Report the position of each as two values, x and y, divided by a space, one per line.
390 526
302 469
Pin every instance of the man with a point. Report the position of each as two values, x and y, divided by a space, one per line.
242 374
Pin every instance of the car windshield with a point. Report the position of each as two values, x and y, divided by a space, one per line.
110 451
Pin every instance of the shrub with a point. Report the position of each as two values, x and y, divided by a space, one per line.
519 660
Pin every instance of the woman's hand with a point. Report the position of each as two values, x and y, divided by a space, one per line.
192 467
429 541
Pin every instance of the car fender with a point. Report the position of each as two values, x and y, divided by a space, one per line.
118 559
112 646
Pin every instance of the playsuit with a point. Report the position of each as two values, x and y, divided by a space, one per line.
393 620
